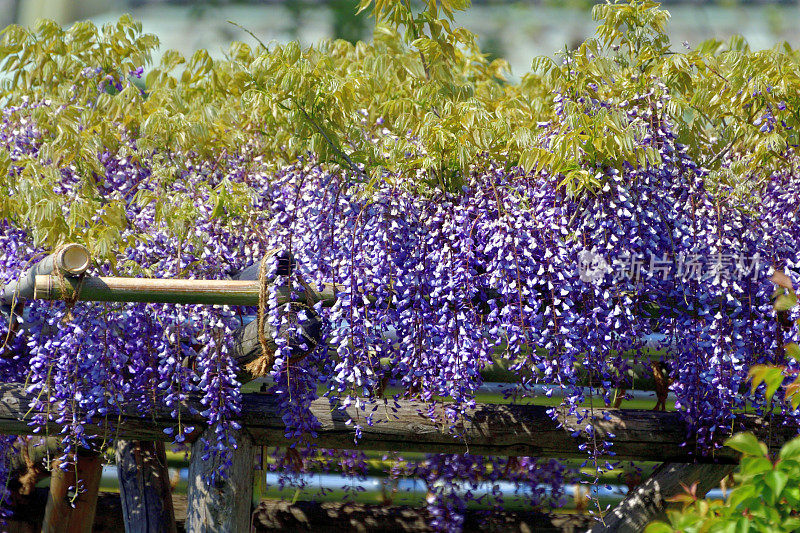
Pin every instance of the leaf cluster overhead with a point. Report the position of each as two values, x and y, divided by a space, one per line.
420 99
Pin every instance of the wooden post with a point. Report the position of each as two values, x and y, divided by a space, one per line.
226 507
59 515
647 502
144 487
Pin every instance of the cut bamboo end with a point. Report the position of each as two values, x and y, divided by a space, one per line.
73 259
68 260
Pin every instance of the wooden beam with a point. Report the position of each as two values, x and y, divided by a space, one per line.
225 506
647 502
345 517
488 429
144 487
273 516
169 291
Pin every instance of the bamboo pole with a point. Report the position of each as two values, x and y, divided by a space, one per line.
169 291
71 259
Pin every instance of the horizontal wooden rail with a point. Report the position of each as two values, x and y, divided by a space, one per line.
489 429
161 290
345 517
273 516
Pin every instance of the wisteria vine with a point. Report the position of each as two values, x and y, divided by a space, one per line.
432 289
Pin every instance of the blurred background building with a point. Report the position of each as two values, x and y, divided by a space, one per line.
517 30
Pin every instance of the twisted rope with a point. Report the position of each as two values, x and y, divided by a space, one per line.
259 367
62 285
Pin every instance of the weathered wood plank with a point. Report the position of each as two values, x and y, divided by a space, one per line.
169 291
489 429
275 515
144 487
226 507
647 502
60 516
337 517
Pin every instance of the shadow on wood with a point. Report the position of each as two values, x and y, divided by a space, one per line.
144 486
226 505
334 517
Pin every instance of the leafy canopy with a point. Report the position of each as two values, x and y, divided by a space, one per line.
421 99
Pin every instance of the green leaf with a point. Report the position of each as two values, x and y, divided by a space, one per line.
791 450
742 525
793 393
756 375
784 302
771 376
747 443
658 527
754 465
793 350
773 379
776 481
740 494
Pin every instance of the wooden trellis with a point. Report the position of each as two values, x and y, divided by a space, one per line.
488 429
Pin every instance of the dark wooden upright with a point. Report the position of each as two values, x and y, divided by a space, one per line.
144 487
